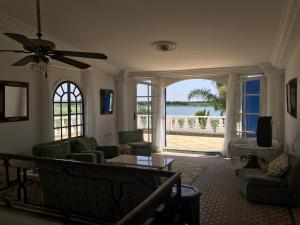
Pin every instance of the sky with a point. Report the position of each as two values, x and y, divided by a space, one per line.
180 90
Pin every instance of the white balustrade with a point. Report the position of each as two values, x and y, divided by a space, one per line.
211 125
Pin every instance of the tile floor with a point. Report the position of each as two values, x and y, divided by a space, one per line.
200 143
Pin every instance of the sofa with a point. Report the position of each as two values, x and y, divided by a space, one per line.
80 148
258 187
135 139
94 191
89 144
62 150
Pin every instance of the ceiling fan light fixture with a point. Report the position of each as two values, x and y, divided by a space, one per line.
41 50
164 46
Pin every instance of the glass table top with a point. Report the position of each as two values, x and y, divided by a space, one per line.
155 161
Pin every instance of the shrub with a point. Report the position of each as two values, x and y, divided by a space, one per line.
202 121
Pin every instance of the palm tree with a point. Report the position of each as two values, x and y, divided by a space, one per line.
218 100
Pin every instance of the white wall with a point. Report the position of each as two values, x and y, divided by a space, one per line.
105 124
292 125
19 137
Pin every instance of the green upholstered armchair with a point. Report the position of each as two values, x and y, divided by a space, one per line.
89 144
135 139
285 190
62 150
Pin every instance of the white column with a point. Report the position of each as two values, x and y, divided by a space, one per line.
275 92
87 82
45 100
159 117
122 100
231 100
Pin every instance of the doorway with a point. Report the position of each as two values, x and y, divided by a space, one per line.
193 122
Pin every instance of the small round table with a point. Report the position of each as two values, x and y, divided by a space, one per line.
190 205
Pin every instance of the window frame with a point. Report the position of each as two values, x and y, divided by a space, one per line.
150 113
242 129
69 113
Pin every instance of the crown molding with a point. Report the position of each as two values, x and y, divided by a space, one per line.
286 25
270 70
10 24
203 72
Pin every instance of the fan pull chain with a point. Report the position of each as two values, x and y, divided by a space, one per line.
39 34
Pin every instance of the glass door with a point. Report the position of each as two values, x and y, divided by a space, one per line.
144 113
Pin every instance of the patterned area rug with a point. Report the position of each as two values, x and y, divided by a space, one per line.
189 171
221 202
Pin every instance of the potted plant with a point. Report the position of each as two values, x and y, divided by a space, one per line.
191 122
214 124
202 121
181 122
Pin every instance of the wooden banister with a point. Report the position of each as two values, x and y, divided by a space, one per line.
162 191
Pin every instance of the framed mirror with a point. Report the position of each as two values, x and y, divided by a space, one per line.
291 97
14 101
106 101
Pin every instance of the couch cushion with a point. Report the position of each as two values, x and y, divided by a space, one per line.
58 150
140 144
79 145
257 177
82 144
92 143
131 136
293 173
278 166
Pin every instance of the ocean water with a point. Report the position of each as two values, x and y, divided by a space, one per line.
189 110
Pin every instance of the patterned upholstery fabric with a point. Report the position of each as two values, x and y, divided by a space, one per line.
62 150
89 144
257 177
129 136
58 150
135 139
92 192
81 144
284 190
278 166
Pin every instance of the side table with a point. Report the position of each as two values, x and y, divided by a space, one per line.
238 147
190 205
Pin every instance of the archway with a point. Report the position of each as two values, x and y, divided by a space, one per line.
197 123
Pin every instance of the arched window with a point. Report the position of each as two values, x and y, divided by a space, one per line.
68 111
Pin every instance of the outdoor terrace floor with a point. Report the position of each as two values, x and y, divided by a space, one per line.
195 143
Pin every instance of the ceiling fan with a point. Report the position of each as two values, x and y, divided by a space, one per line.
41 50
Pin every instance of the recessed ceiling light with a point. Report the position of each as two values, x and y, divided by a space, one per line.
164 46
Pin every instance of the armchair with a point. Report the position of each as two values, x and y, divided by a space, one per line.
90 145
135 139
285 190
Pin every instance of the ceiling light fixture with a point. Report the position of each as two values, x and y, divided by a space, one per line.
164 46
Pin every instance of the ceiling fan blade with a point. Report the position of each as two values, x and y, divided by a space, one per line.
21 39
25 60
17 51
69 61
91 55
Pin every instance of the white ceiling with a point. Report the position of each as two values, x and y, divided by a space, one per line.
209 33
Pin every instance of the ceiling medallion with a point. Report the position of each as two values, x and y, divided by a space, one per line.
164 46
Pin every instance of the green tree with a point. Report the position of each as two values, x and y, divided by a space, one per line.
218 100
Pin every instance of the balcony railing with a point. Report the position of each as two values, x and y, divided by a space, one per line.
201 125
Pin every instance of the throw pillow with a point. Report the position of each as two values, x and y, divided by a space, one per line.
278 166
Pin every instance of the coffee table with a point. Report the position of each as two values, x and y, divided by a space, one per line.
153 161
